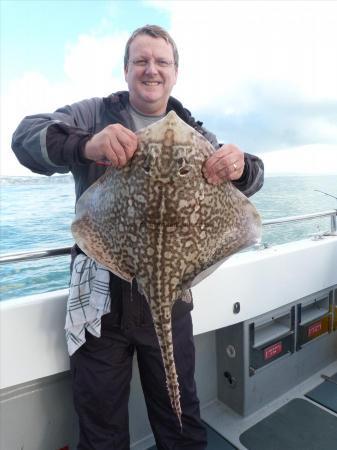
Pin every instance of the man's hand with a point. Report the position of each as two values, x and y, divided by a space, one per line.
113 145
227 163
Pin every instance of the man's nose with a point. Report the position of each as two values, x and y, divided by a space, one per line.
151 67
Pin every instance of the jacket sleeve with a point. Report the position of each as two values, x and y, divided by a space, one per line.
252 178
53 143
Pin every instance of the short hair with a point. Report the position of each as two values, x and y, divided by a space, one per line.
156 32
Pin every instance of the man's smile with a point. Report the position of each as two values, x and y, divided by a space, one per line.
152 83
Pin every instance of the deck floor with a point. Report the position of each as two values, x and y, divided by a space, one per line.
231 425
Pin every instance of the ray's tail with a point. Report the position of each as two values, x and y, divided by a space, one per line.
163 327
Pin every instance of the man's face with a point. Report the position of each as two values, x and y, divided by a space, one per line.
150 74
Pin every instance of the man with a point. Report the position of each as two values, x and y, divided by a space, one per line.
83 138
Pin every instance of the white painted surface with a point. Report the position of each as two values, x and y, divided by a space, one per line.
32 343
264 280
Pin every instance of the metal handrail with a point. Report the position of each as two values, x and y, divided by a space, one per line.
39 254
332 213
28 256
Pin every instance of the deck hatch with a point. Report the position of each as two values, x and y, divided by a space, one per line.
271 340
314 319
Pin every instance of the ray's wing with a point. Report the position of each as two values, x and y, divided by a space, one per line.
229 223
99 228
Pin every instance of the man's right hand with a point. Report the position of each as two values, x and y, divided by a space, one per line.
115 144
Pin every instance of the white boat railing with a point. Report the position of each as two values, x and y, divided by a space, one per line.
60 251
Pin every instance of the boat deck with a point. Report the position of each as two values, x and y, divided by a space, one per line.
240 431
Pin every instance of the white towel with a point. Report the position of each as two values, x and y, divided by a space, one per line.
89 299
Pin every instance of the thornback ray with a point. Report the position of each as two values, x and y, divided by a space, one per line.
158 221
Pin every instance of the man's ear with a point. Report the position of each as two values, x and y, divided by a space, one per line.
176 74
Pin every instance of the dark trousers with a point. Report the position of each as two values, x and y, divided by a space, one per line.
101 372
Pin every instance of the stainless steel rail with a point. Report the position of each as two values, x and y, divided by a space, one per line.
332 213
28 256
39 254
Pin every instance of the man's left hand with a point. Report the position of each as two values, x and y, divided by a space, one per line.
227 163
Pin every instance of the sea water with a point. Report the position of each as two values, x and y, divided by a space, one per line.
36 213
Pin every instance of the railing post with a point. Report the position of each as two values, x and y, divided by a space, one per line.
334 222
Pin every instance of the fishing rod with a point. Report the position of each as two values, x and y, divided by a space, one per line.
325 193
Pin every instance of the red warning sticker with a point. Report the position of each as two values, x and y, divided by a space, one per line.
315 328
272 350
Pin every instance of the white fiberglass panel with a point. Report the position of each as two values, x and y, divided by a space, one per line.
32 342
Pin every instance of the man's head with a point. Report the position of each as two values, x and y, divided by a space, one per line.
153 31
151 67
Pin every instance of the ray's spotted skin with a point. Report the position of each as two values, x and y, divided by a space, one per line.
159 221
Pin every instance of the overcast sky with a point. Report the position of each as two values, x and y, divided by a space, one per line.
262 75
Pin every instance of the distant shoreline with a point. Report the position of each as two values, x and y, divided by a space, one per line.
68 178
36 179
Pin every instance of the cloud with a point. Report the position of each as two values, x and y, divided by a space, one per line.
277 121
263 73
308 160
259 74
226 44
93 66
